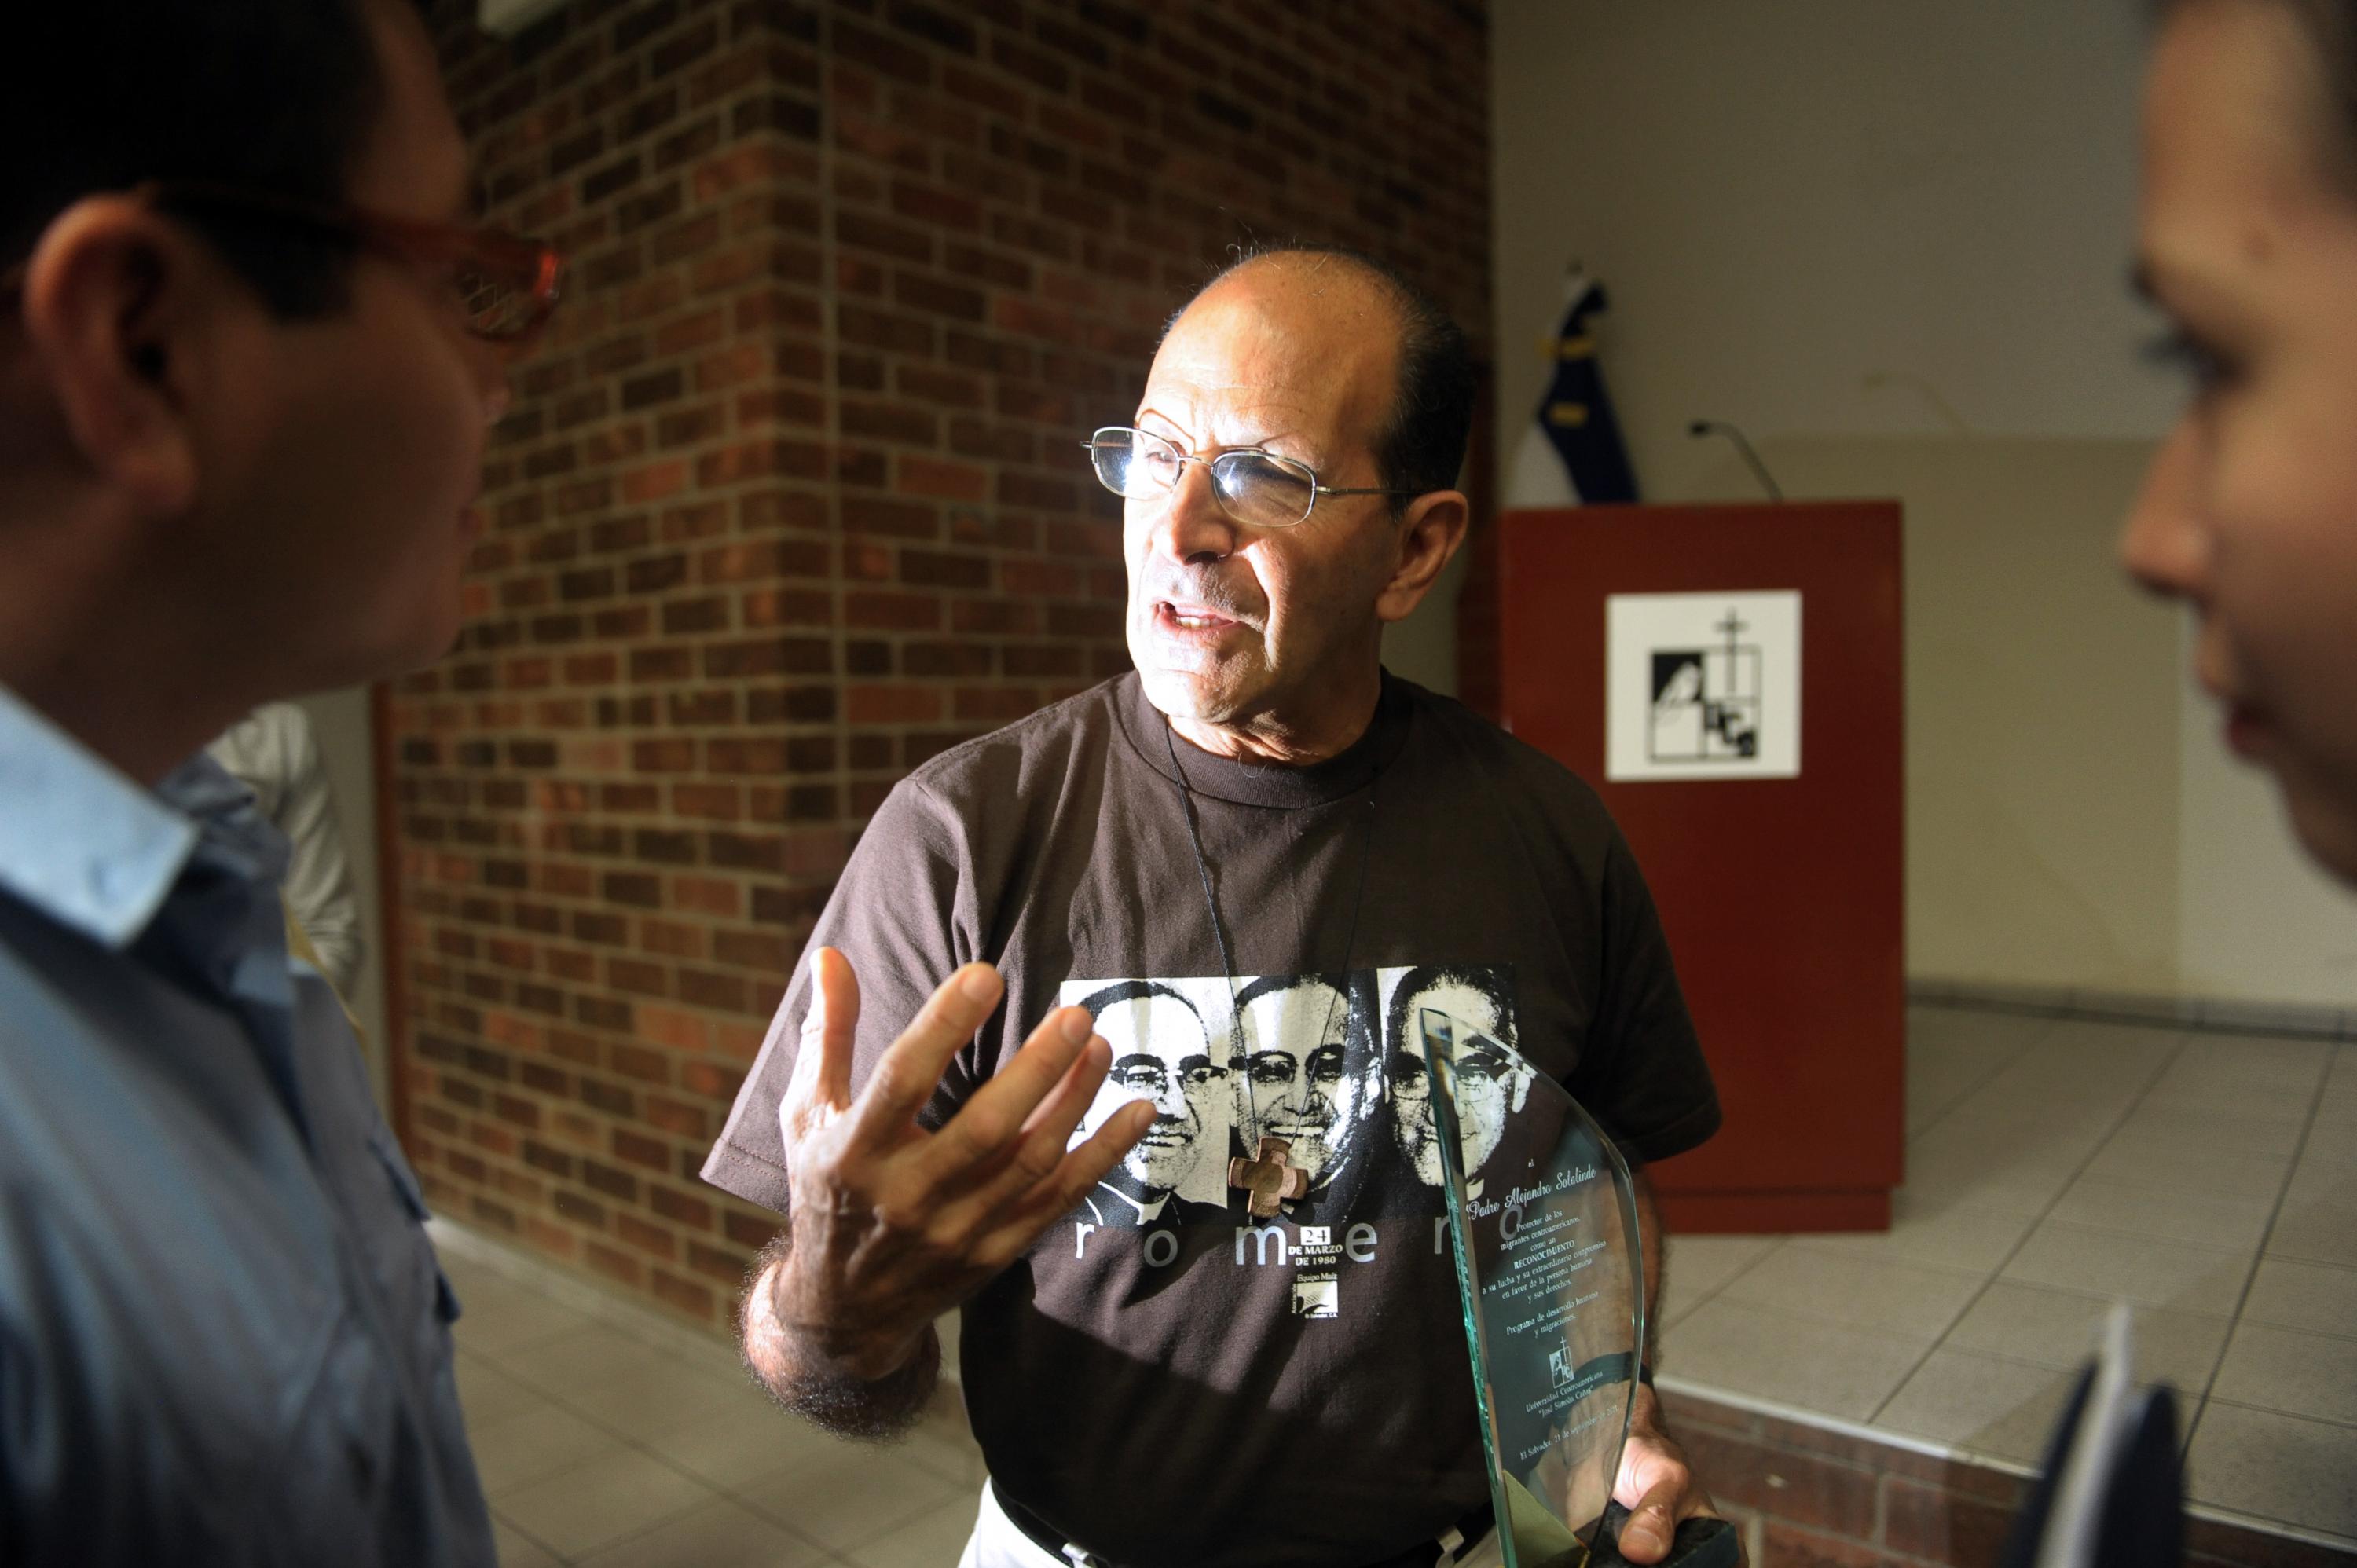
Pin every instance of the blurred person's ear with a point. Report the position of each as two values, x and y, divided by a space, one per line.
114 297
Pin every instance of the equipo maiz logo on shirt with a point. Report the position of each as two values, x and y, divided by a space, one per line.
1325 1062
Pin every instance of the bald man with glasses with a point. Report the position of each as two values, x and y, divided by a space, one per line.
1161 1053
1257 811
1306 1044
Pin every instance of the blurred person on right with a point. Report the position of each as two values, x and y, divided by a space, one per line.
2247 243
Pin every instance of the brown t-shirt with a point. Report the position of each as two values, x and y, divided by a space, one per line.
1158 1379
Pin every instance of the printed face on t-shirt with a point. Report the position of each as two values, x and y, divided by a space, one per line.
1307 1085
1329 1065
1488 1089
1162 1054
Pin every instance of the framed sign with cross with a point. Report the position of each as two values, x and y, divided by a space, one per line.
1703 685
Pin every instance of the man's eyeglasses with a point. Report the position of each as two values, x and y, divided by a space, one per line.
1408 1076
1257 488
503 286
1151 1080
1275 1070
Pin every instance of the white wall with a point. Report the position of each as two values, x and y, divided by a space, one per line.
2256 918
2043 727
1786 200
1890 239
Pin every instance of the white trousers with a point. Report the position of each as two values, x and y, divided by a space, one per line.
997 1543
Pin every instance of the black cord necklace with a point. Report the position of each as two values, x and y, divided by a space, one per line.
1270 1178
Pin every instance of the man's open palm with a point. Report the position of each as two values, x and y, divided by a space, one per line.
893 1225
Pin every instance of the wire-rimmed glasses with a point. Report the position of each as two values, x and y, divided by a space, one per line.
1151 1080
1259 489
1276 1069
1407 1075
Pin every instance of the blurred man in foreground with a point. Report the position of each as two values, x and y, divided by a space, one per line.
247 359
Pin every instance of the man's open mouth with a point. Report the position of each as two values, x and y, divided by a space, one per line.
1192 617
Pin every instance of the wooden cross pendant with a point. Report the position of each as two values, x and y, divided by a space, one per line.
1269 1178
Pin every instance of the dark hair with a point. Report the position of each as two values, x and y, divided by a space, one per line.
2329 27
276 96
1491 983
1121 991
1356 989
2331 30
1421 447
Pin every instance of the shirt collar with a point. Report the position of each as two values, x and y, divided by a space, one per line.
79 841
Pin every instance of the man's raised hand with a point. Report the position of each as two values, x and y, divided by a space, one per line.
891 1225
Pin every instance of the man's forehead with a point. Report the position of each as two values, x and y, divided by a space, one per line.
1298 1017
1192 390
1145 1014
2231 118
1467 1003
1238 372
415 161
1270 349
1301 994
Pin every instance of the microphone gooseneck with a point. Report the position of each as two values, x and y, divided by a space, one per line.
1701 427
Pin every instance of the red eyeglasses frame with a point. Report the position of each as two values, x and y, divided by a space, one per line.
530 272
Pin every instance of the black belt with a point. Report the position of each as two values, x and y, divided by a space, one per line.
1469 1531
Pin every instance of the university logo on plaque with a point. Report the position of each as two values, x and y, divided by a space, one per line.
1702 686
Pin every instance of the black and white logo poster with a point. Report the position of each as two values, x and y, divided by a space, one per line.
1701 685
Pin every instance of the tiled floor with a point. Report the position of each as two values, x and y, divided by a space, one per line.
608 1437
2052 1164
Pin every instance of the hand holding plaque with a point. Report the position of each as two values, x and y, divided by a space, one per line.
1551 1277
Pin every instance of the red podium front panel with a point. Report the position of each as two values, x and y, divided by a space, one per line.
1783 898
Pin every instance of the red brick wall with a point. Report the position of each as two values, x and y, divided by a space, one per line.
791 500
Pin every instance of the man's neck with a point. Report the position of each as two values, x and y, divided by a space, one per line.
120 672
1272 737
143 732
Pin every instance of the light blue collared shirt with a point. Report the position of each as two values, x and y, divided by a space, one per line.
223 1335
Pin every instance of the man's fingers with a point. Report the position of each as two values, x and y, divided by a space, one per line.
1054 1118
1652 1525
912 1067
820 1083
988 1126
1038 1153
1051 1199
834 1026
1086 1165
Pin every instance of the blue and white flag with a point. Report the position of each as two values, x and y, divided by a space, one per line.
1572 455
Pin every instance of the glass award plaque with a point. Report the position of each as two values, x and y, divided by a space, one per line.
1551 1276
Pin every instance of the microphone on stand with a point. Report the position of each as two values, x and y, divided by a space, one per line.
1758 469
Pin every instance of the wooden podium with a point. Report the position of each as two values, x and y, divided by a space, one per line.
1783 897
